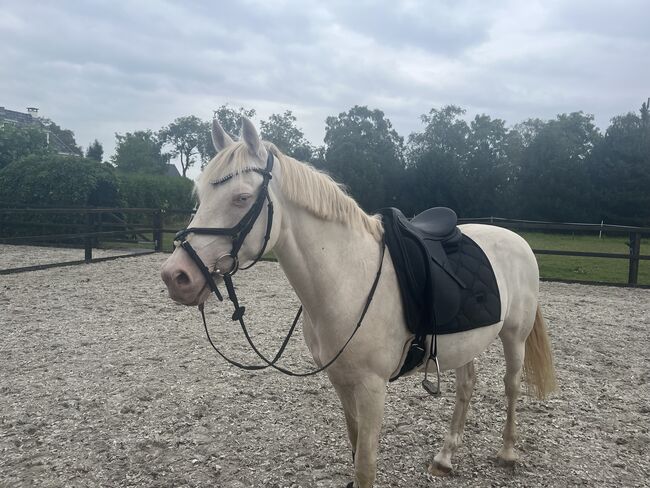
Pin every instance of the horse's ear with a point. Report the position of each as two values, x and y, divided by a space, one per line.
252 139
220 140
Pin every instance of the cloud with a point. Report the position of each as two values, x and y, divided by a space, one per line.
102 67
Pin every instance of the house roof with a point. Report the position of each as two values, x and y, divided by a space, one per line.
20 118
16 117
171 170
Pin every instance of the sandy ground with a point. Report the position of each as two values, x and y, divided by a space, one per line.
105 382
20 256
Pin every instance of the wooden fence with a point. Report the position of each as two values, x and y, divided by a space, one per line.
142 230
635 234
135 230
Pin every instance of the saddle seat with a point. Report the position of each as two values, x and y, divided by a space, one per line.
437 223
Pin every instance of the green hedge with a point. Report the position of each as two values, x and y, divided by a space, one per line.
51 180
155 191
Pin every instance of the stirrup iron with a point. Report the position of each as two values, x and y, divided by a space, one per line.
429 387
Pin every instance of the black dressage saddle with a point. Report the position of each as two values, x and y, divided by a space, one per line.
446 281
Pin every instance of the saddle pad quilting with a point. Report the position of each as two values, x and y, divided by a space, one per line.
480 300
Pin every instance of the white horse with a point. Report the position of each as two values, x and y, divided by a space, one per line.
329 250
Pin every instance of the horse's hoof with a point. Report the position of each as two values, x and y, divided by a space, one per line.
507 457
437 469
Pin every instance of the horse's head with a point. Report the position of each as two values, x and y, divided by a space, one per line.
233 220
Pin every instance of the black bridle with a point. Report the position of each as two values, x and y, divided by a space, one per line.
238 234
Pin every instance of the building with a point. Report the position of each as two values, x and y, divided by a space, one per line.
171 170
32 118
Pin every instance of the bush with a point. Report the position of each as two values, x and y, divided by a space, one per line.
51 180
155 191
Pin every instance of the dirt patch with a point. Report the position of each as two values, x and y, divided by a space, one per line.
19 256
105 382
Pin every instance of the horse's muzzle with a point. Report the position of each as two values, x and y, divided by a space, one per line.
185 282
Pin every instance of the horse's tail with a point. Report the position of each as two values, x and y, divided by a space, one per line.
539 371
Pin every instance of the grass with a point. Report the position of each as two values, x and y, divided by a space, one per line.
585 268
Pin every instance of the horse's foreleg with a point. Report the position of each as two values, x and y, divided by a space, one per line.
465 380
363 403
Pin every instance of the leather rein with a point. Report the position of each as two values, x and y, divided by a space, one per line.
228 264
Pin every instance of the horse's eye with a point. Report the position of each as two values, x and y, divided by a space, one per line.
242 198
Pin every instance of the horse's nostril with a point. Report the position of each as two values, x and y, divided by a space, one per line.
182 278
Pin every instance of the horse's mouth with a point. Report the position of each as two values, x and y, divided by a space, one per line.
198 299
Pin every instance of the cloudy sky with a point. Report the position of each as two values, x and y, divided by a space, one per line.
100 67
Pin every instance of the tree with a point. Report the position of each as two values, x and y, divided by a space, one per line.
554 181
364 151
95 151
281 130
139 152
488 169
435 159
17 142
186 136
230 119
620 169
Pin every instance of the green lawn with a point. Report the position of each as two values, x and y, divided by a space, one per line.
584 268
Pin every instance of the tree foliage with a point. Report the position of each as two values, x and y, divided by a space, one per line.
55 180
434 161
554 173
281 130
620 169
139 152
562 169
155 191
230 118
17 142
186 137
95 151
364 151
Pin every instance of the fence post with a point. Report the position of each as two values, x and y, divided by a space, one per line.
88 240
157 230
635 250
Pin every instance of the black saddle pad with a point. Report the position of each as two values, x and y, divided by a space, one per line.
480 302
446 282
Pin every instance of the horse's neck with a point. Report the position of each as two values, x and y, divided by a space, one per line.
330 265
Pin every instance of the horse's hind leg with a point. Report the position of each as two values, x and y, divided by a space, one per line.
465 380
513 350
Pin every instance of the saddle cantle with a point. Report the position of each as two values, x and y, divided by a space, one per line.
446 282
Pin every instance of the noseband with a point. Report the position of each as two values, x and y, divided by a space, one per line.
228 264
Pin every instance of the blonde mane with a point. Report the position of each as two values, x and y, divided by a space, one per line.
304 185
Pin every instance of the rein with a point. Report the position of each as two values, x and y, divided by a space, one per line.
228 264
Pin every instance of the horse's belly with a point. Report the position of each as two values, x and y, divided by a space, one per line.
455 350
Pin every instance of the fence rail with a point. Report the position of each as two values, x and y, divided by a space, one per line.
148 226
635 235
87 229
